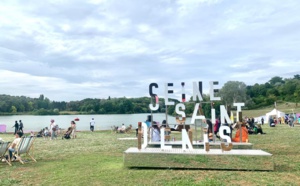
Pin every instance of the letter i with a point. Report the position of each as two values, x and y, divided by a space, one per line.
183 92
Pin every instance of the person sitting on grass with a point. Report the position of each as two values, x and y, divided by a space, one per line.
128 129
244 133
15 145
271 122
122 128
47 133
259 129
73 126
40 133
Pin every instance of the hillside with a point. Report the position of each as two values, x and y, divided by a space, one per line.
287 107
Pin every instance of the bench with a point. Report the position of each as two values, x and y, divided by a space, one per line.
198 159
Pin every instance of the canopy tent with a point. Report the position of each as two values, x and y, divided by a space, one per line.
275 113
258 119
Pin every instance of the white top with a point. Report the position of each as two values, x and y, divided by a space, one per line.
16 141
52 125
155 135
92 122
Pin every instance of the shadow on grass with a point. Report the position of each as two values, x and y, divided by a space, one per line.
192 169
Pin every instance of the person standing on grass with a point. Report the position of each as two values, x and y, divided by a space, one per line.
155 132
73 126
21 126
262 120
291 121
52 129
92 124
217 127
16 125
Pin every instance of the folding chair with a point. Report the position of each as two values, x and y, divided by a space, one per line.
128 129
3 149
25 145
167 134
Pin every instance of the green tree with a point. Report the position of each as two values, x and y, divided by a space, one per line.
232 92
276 80
13 109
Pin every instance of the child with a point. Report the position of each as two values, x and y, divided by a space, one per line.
46 133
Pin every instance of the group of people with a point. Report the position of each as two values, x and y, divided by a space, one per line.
248 127
290 120
155 128
53 131
18 126
122 129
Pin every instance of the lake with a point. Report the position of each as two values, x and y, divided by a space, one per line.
103 122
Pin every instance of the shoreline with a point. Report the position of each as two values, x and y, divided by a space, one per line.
28 132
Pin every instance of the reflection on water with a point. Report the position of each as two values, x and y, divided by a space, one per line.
103 122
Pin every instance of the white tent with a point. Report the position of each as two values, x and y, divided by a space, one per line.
258 119
276 113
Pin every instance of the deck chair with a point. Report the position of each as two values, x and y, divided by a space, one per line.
24 147
167 133
3 149
128 129
114 129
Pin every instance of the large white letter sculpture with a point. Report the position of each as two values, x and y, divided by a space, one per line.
185 140
221 131
145 131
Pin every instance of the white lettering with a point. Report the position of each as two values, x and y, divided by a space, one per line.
180 112
194 117
167 91
222 135
185 140
145 131
224 115
212 91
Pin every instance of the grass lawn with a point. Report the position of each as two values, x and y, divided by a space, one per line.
97 159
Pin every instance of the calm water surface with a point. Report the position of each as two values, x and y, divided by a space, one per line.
103 122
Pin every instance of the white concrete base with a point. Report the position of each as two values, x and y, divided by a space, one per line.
242 159
241 152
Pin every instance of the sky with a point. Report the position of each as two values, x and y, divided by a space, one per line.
69 50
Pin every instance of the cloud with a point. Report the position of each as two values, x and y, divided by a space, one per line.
71 49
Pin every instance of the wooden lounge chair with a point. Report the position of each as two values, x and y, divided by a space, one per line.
114 129
25 145
3 149
128 129
167 133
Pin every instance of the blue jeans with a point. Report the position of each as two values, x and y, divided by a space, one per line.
10 150
53 135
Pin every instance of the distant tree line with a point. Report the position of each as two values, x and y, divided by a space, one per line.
254 96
